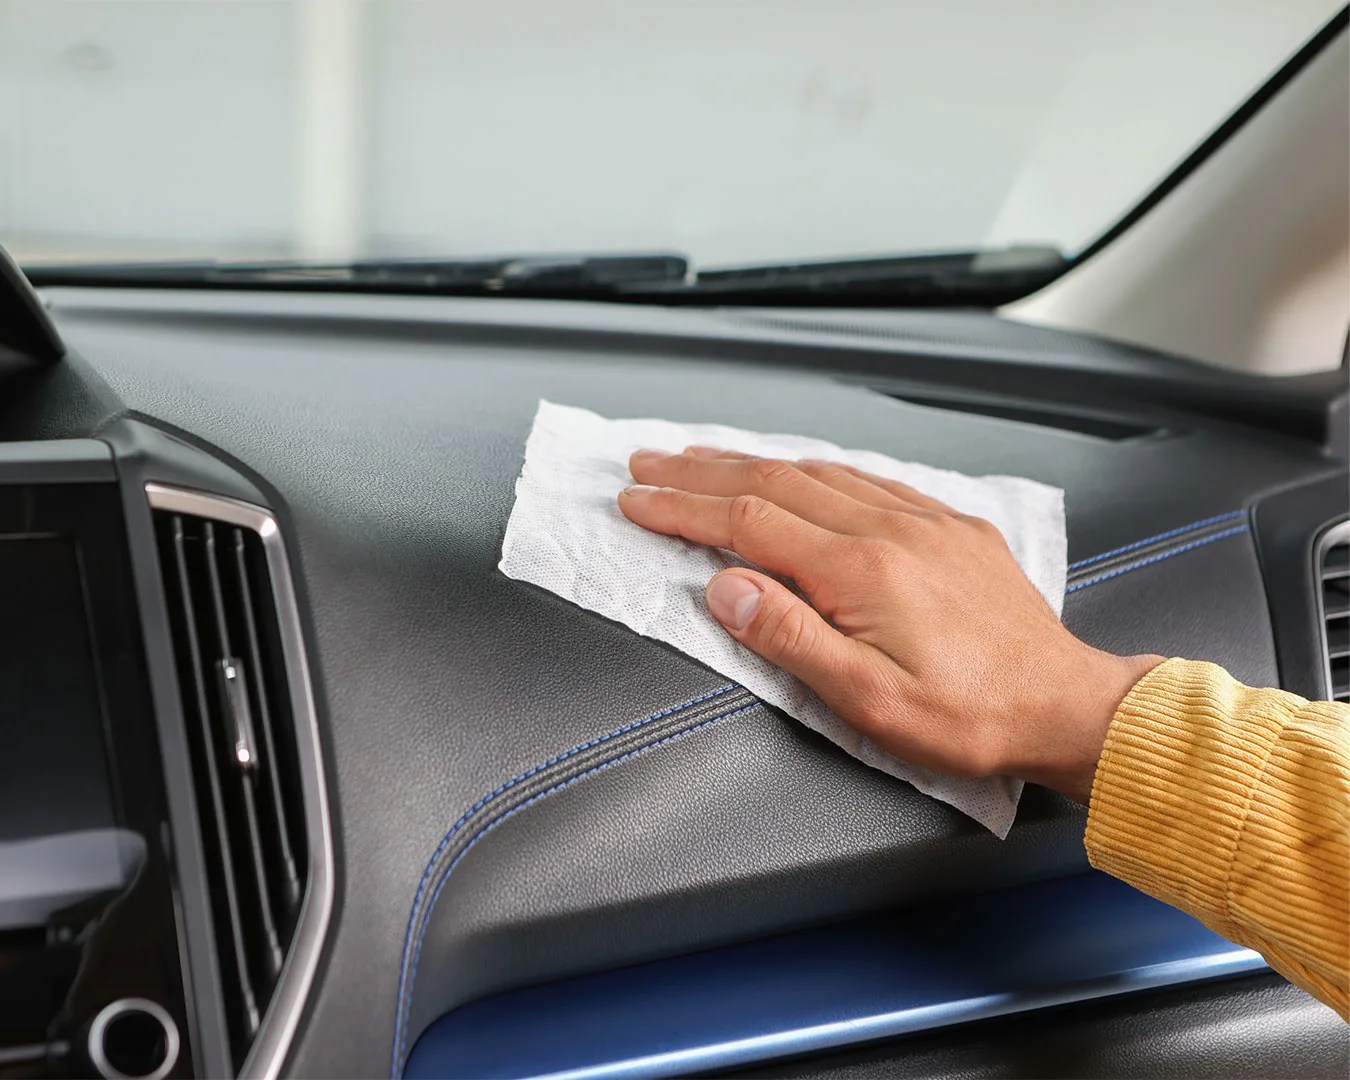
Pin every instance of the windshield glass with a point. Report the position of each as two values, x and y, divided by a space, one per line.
732 132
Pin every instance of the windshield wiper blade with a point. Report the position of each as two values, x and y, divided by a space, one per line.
962 276
972 278
526 275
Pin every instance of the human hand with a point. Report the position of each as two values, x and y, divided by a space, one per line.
921 630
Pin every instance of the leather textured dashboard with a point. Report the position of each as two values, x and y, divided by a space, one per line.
387 435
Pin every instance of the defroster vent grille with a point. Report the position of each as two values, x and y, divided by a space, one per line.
1333 573
246 750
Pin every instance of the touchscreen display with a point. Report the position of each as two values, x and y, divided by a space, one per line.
54 775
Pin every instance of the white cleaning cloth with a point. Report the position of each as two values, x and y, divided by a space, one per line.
566 534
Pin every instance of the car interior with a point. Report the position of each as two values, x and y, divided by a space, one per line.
297 783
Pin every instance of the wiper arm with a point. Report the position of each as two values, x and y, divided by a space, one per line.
529 275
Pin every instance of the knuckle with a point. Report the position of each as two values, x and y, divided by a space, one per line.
984 527
770 472
823 471
927 532
748 513
866 555
789 633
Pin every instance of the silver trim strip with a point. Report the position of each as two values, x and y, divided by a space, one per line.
1337 534
279 1023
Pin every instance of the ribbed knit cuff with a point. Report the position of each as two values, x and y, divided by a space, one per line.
1176 775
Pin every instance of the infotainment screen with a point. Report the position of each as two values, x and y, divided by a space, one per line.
87 914
54 775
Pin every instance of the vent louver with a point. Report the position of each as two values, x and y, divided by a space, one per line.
1333 573
245 752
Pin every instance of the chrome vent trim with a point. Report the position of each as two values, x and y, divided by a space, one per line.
277 1025
1331 572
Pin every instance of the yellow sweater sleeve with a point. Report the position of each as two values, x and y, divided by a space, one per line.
1233 804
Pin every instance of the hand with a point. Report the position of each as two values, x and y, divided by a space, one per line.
921 630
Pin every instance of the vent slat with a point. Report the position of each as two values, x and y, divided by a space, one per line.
1340 680
270 954
262 710
1334 577
194 676
236 702
1338 639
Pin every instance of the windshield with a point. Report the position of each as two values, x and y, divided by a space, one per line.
733 133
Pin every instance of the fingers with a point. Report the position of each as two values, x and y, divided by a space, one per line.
779 482
716 452
781 627
755 529
858 484
838 477
894 488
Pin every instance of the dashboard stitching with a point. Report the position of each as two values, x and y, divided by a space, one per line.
1158 558
405 981
1156 539
401 1033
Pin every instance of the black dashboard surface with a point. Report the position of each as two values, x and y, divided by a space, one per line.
387 435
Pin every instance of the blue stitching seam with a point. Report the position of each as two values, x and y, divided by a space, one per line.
421 886
1156 539
1157 558
401 1034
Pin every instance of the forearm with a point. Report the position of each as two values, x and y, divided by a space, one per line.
1234 805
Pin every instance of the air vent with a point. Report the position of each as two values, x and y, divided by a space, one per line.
1333 573
254 759
1083 421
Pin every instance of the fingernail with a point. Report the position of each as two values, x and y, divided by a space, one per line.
733 600
702 451
639 489
651 455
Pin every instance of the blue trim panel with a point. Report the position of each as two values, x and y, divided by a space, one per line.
1232 515
1030 947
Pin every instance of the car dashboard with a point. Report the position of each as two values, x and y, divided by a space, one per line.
376 809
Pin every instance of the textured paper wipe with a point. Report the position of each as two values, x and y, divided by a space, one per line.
566 534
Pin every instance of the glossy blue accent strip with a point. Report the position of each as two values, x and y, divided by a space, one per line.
1157 558
1231 515
412 952
1030 947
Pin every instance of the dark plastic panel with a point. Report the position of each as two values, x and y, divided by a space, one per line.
65 461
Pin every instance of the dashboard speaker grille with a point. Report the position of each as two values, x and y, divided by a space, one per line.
1333 573
236 703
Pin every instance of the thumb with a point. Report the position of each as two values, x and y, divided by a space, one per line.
784 629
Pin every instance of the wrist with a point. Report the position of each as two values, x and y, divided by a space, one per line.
1083 703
